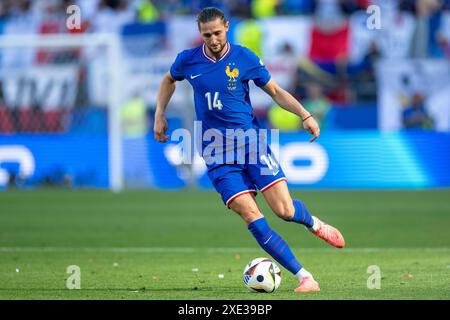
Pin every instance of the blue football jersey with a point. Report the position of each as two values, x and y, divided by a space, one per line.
221 88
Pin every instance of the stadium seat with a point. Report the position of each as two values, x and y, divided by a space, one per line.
27 122
53 120
6 120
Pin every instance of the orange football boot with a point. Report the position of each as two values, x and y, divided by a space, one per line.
308 284
328 233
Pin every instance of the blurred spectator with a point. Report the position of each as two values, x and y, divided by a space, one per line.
330 34
330 46
112 15
363 81
24 21
296 7
147 12
328 15
283 120
169 8
351 6
424 10
395 37
197 5
4 10
317 103
264 8
405 5
240 8
88 8
440 33
134 118
249 34
415 115
135 147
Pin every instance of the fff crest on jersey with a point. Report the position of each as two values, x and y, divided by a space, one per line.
233 73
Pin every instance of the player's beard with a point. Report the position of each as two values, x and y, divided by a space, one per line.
218 49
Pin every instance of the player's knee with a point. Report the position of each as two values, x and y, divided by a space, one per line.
249 213
285 211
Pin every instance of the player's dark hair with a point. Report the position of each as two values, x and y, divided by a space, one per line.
210 14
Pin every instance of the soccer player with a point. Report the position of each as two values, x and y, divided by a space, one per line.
219 73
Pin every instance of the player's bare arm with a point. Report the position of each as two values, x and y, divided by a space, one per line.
285 100
166 90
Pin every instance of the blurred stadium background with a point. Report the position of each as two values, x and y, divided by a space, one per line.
77 98
77 94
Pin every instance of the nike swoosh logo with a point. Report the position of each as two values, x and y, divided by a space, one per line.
197 75
267 240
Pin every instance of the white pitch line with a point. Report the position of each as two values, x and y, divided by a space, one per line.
206 250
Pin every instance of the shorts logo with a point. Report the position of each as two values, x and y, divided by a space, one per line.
272 165
232 75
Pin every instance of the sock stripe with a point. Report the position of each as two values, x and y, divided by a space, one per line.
274 245
279 240
265 237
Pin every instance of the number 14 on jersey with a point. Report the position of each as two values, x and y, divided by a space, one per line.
215 103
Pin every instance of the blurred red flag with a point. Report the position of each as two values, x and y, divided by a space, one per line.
329 46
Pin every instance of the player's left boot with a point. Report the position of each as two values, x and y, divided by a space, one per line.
308 284
328 233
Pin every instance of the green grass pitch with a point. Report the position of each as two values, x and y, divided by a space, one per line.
145 245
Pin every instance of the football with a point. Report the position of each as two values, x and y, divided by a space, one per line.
262 275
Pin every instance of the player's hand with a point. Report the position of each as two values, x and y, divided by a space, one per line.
310 125
159 129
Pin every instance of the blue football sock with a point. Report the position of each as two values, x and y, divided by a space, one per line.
301 214
274 245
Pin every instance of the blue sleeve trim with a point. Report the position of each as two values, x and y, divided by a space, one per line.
263 83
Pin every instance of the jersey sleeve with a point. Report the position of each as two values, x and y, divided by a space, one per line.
257 70
177 70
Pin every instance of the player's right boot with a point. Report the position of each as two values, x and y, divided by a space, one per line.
328 233
308 284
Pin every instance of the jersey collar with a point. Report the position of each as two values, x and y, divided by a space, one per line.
212 59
